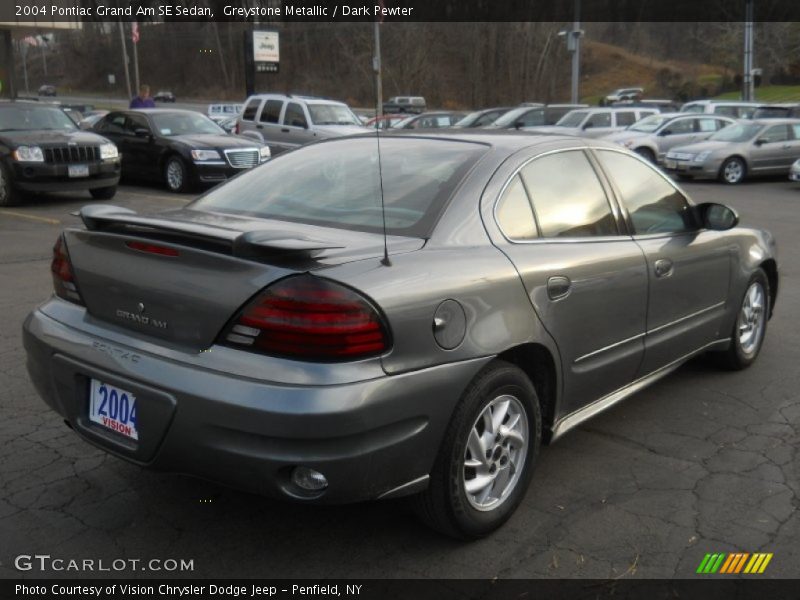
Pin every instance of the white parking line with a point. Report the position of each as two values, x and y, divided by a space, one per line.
30 217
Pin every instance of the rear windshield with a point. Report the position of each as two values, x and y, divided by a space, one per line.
336 184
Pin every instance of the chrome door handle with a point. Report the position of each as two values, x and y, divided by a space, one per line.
663 267
558 287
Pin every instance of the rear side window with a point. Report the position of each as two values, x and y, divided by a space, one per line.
706 125
776 133
653 204
626 118
337 184
271 111
567 197
514 214
250 110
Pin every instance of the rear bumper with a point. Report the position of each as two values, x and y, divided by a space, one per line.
46 177
367 437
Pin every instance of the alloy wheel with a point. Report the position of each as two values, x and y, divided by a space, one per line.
751 318
495 454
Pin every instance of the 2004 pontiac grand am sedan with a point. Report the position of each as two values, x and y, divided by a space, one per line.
268 336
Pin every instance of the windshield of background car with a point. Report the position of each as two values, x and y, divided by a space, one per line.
649 124
332 114
467 121
510 117
24 118
170 124
572 119
337 184
738 132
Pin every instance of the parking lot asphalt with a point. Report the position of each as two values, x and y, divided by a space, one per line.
703 461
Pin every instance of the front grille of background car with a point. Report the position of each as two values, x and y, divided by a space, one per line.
71 154
242 159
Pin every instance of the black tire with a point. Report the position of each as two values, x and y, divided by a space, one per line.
9 195
104 193
739 356
178 180
444 506
647 154
733 171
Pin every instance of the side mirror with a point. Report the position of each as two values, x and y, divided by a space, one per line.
587 125
761 141
142 132
519 125
717 217
666 132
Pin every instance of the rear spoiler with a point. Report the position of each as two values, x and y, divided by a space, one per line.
249 244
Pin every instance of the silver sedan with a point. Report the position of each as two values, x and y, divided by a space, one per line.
746 149
351 322
654 136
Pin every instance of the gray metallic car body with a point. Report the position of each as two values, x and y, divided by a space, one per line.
374 426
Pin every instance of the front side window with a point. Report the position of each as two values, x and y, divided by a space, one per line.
776 133
567 197
601 119
653 204
295 117
679 126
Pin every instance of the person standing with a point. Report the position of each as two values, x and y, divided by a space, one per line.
143 100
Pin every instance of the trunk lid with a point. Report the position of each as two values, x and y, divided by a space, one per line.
181 276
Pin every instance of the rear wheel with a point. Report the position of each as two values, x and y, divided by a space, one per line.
176 175
733 171
8 195
104 193
486 460
750 328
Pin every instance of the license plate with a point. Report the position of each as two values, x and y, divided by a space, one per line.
113 408
670 164
78 170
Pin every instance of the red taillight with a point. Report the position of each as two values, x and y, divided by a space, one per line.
310 318
63 277
152 248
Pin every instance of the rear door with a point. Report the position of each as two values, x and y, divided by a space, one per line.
586 280
773 151
269 124
688 268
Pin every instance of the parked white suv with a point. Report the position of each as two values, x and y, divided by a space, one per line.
732 108
285 122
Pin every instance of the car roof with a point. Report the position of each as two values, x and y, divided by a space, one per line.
725 102
503 140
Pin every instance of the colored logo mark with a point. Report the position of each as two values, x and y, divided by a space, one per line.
737 562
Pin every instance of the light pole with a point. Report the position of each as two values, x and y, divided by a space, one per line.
747 74
574 48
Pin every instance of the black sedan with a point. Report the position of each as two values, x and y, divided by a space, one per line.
181 148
